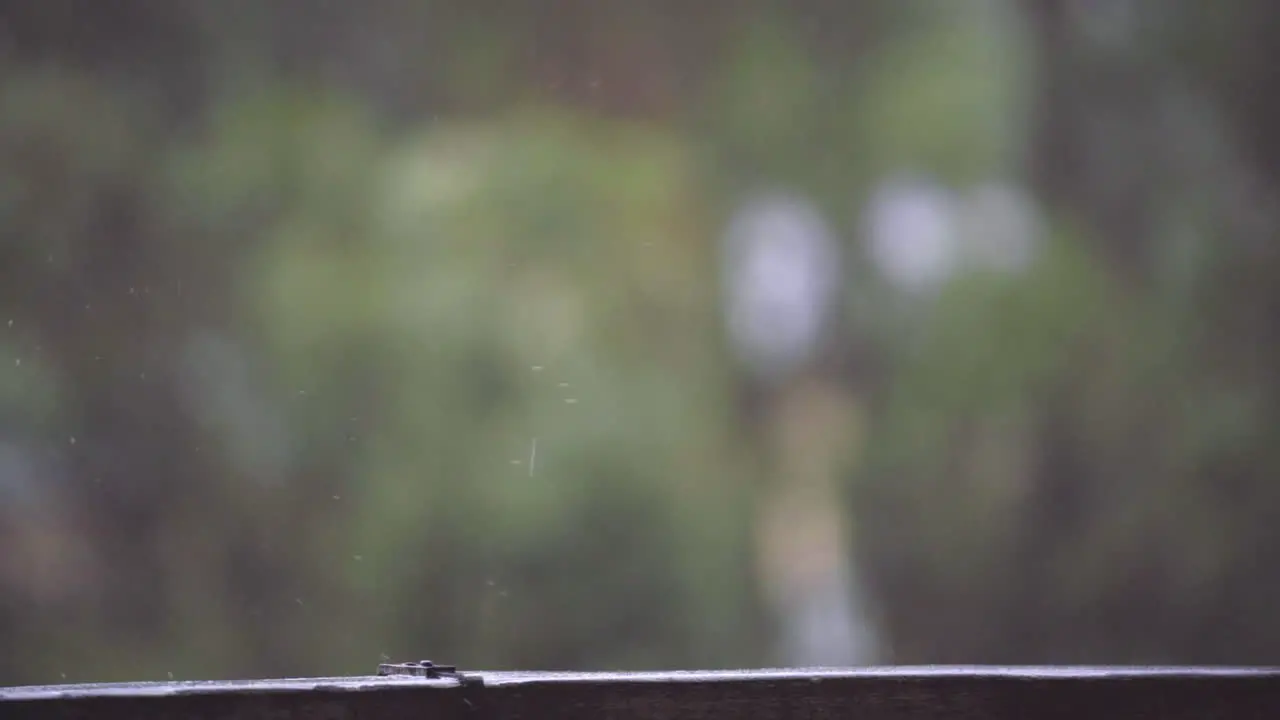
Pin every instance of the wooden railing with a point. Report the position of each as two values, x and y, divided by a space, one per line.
986 693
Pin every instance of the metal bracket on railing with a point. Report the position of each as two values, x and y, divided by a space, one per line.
428 669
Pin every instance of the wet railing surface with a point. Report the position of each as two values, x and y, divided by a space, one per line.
898 693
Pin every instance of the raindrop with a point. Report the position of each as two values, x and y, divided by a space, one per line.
357 558
564 384
73 439
571 401
536 368
170 674
337 497
17 362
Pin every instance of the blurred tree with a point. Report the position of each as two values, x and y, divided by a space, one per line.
287 289
1122 487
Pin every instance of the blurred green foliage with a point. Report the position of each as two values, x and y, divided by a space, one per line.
318 348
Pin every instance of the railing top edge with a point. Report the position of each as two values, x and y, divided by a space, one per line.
506 678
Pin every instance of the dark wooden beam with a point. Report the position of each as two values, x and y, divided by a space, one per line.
1067 693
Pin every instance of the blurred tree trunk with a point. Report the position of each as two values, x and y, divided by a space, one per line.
1102 153
1094 155
1145 525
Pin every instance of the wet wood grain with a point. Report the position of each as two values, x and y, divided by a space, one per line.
881 694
